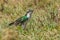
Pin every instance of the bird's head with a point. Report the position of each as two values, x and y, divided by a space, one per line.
30 11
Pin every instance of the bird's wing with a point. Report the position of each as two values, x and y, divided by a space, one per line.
21 20
24 18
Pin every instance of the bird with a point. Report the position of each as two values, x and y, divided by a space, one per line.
23 19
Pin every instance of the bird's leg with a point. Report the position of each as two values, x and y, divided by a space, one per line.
24 25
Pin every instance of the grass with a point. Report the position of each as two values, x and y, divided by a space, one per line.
43 25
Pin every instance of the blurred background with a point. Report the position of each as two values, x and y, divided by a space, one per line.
43 25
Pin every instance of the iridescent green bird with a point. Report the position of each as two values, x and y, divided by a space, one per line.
23 19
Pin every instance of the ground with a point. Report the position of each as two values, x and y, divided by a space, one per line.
43 25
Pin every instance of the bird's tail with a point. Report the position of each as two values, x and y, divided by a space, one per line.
11 23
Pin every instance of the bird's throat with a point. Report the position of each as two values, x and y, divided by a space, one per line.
28 15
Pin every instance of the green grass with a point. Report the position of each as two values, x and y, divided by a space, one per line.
44 24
